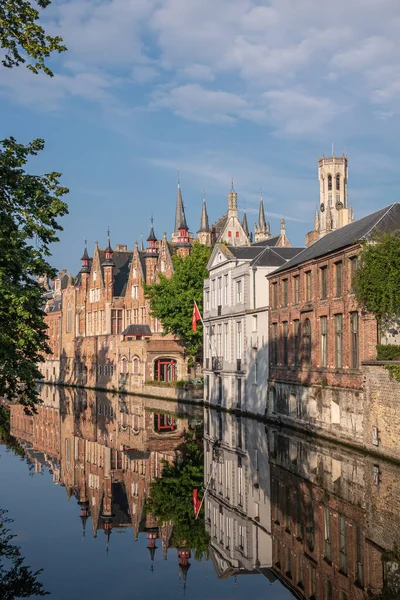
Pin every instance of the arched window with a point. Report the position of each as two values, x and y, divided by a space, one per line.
124 365
135 365
165 369
69 317
337 182
329 183
307 343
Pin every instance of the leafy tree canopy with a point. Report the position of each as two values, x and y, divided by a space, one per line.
21 36
29 208
377 280
171 498
171 300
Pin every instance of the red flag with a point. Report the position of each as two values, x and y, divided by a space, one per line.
196 503
195 317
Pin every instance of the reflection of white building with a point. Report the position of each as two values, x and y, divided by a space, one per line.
236 301
237 503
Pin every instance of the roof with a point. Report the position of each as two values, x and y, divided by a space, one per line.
121 260
384 220
245 252
219 225
137 330
272 241
275 257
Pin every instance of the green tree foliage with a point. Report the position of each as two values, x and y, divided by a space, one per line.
29 208
18 580
171 300
21 36
171 498
377 280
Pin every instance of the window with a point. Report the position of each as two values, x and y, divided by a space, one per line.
337 182
308 286
135 292
207 300
255 361
285 284
239 339
69 317
274 348
353 270
95 322
237 234
289 562
327 535
324 282
296 342
359 556
342 545
329 590
329 183
354 340
296 289
128 317
239 291
226 290
275 295
229 233
219 291
219 339
226 341
116 321
285 342
143 314
338 341
339 278
254 323
300 571
213 293
135 365
135 316
307 343
323 326
124 365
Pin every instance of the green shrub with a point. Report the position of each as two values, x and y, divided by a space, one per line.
388 352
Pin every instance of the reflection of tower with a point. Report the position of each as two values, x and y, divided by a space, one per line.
184 564
107 515
84 515
152 535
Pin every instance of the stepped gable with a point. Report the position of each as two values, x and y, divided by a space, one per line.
384 220
121 260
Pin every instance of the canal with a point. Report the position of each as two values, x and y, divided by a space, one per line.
97 491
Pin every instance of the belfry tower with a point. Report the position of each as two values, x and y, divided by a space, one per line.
333 211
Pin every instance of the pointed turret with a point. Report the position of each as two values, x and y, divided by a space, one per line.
261 229
85 260
262 224
351 214
245 225
84 515
152 241
152 535
109 252
141 243
204 232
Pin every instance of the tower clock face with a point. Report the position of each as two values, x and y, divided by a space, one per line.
339 205
322 207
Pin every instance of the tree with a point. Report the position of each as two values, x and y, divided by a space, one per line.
21 35
18 581
29 208
171 497
171 300
377 280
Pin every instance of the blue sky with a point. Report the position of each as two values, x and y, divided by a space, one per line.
242 88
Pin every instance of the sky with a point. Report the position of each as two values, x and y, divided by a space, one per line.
246 89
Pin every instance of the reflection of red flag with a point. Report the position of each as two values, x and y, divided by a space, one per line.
196 503
196 316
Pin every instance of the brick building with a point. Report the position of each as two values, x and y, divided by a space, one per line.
318 336
100 327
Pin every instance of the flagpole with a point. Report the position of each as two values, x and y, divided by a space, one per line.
205 491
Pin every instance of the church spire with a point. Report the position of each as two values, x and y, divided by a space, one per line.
85 260
245 225
262 224
204 226
180 218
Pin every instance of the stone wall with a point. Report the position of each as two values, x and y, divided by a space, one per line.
382 410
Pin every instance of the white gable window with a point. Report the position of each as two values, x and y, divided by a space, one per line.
135 292
94 275
134 273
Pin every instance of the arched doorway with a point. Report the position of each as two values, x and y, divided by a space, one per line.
165 369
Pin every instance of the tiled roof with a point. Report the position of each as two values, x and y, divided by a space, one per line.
121 261
384 220
272 241
137 330
245 252
274 257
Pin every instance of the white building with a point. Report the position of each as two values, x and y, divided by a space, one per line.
237 501
236 301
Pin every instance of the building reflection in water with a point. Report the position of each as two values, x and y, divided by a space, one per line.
319 517
106 449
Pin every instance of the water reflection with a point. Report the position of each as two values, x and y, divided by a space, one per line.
316 517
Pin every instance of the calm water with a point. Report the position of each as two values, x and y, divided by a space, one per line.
283 516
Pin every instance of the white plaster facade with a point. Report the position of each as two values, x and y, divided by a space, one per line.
237 501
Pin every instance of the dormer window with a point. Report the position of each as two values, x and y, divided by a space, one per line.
94 275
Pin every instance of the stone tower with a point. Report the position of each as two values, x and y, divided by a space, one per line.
333 207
